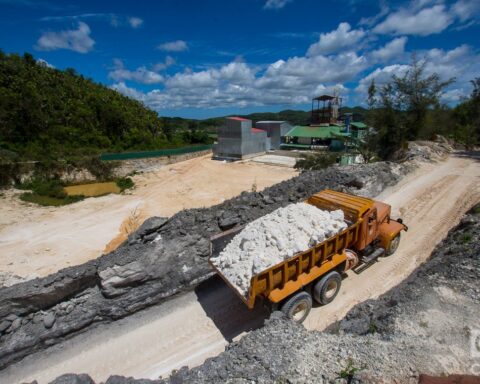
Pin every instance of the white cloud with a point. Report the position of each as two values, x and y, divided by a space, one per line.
77 40
285 82
321 89
276 4
466 9
369 21
296 80
135 22
45 63
454 95
169 61
381 76
115 20
425 22
234 73
174 46
301 72
140 75
335 41
460 62
127 91
392 49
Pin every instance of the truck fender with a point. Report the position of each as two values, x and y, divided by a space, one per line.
389 230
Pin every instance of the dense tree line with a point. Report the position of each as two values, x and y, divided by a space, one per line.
47 113
409 108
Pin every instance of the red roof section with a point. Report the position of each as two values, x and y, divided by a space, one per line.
237 118
257 130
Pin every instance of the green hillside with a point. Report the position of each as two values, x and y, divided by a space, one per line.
47 113
301 117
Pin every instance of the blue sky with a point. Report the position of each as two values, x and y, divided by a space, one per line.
209 58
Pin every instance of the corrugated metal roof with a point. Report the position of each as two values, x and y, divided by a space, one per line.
237 118
358 124
316 132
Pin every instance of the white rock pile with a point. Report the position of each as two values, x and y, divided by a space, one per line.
273 238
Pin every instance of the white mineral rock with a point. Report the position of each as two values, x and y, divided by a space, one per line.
273 238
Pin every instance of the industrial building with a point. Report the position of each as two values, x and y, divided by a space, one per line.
328 130
275 131
237 139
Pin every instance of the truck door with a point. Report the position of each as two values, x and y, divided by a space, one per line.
372 226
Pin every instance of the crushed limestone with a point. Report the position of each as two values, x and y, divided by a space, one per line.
273 238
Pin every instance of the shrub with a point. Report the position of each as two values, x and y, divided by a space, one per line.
45 187
125 183
47 192
316 161
349 371
466 238
49 201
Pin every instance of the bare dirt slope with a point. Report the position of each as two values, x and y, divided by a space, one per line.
189 329
36 241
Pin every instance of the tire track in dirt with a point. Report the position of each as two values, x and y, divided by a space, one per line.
437 207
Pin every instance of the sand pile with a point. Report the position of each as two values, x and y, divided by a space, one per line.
276 237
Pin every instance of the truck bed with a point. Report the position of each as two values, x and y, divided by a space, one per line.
288 276
285 278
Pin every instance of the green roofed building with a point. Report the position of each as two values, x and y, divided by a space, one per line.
332 137
324 133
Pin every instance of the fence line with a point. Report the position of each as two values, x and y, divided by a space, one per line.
158 153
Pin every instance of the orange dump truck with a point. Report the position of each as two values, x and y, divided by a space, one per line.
317 272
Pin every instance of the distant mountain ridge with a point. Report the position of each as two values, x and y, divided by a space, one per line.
294 117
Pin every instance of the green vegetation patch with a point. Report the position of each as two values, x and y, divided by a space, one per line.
476 209
47 192
466 238
51 114
49 201
125 183
316 161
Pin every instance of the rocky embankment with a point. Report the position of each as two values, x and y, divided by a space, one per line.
164 257
424 325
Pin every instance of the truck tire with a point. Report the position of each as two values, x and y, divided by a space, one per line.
392 247
326 289
298 307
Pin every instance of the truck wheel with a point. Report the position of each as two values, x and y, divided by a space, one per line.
327 288
298 307
392 247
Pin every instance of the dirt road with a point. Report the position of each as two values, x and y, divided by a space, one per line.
195 326
36 241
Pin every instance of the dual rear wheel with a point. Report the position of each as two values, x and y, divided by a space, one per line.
298 306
